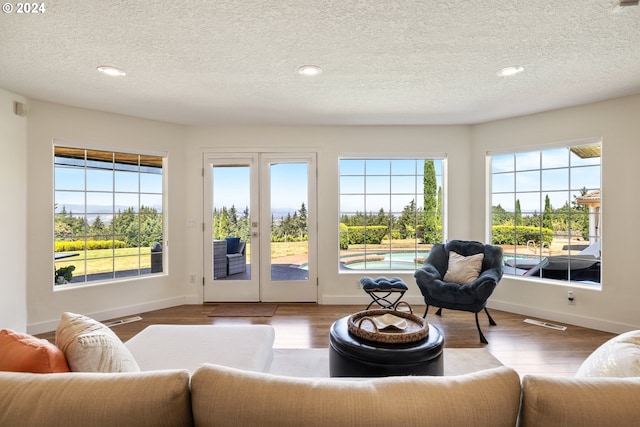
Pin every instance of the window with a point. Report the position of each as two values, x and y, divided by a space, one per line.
391 212
546 212
107 214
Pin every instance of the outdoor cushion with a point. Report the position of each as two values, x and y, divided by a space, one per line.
232 244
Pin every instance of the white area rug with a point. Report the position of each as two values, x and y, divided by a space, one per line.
314 362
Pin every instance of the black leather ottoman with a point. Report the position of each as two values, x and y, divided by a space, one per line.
350 356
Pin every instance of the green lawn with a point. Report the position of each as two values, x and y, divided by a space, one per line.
101 260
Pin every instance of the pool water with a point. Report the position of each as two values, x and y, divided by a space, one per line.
400 260
390 261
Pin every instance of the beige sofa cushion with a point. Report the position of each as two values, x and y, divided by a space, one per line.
158 398
223 396
618 357
584 402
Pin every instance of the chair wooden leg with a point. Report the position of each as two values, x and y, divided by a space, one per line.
491 321
482 338
439 312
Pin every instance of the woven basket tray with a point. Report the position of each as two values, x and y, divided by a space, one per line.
361 325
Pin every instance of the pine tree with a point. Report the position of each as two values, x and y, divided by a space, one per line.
430 202
97 228
407 221
547 217
518 214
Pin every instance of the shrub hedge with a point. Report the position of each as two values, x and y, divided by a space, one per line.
502 235
344 236
373 235
79 245
520 235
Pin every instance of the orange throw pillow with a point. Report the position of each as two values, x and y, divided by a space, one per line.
25 353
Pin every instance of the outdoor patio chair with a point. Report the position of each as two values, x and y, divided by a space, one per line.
219 259
582 267
461 281
236 256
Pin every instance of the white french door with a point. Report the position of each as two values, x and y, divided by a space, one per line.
259 232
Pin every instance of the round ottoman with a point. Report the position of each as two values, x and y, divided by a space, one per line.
350 356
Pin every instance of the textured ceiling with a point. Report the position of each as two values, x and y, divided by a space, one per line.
384 62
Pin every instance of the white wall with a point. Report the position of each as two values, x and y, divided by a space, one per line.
13 187
330 142
611 309
615 308
51 121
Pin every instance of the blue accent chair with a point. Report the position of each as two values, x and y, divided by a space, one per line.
470 297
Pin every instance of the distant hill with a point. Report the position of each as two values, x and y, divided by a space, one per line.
279 213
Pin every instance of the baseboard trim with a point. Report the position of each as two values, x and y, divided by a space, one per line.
49 326
364 300
570 319
556 317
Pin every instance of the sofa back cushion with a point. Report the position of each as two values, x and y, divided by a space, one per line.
159 398
223 396
584 402
25 353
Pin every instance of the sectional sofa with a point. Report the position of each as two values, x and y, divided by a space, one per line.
606 392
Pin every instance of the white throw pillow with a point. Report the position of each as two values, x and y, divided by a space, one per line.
618 357
463 270
90 346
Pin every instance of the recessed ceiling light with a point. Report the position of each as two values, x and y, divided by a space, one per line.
309 70
112 71
510 71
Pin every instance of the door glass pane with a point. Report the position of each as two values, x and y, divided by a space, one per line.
230 226
289 232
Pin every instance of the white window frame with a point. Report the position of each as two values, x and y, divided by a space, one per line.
150 262
375 267
513 267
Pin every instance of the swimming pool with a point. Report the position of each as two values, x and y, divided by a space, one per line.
407 260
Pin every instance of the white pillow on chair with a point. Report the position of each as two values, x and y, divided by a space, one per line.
463 270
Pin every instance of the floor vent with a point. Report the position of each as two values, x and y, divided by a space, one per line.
123 321
546 324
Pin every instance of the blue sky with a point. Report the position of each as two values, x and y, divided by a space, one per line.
289 186
531 176
388 184
105 191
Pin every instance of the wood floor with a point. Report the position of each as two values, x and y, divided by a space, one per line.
529 349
